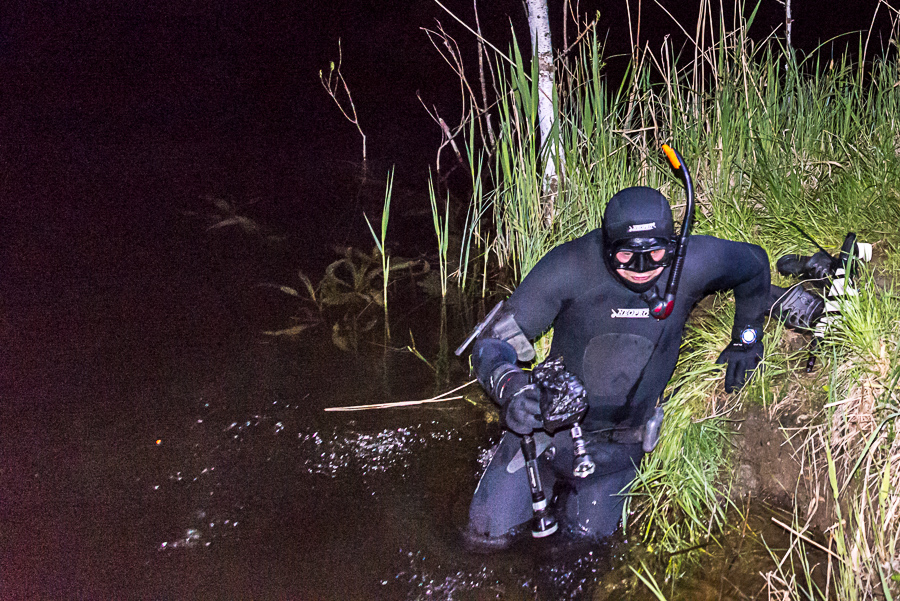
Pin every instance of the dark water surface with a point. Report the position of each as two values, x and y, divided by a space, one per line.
154 444
157 446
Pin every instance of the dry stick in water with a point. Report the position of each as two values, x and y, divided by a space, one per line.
438 399
810 541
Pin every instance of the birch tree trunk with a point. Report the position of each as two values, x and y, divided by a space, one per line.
788 22
539 24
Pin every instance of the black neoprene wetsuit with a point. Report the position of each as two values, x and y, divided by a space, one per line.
624 357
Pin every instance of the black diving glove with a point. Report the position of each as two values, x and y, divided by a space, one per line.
742 357
522 412
520 401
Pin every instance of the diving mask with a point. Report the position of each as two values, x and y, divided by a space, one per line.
641 254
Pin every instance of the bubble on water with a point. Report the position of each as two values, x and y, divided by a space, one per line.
369 453
567 573
192 537
485 456
574 576
190 540
431 582
219 443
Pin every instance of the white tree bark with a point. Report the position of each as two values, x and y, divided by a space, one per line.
539 24
788 22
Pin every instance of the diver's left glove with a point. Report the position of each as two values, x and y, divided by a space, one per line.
742 357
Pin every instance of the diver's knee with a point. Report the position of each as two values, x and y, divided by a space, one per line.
477 540
593 530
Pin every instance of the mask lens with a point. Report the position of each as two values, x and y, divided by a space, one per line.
642 254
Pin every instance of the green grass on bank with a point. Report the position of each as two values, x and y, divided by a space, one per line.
769 140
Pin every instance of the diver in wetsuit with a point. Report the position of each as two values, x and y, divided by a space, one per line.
589 291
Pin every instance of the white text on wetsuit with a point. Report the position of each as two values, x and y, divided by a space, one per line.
630 313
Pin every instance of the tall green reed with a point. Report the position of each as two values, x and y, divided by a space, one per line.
380 243
442 233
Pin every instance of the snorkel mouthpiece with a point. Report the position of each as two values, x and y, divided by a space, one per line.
661 307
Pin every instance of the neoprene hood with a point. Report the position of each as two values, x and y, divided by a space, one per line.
638 212
639 215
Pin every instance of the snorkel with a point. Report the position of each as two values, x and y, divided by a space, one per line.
661 307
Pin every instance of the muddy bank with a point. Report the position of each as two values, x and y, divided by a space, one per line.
765 465
772 460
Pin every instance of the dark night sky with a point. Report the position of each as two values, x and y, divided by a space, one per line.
183 66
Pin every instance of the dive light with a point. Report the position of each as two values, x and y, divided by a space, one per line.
544 522
661 307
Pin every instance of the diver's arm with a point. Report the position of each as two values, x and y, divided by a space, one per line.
529 311
526 314
494 361
743 268
751 296
539 298
737 266
494 364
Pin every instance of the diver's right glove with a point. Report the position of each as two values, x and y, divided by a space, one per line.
494 361
522 411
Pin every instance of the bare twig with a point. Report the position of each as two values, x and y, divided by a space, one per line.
476 34
472 110
484 97
447 137
333 85
588 28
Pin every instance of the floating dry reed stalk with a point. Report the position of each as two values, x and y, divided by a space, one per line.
437 399
391 405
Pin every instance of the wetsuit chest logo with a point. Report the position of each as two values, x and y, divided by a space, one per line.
631 313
